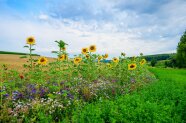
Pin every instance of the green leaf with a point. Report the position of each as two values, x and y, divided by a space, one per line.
26 46
32 49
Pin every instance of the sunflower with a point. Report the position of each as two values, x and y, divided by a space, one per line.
92 48
77 60
30 40
84 50
142 62
63 57
63 48
42 61
109 65
116 60
105 56
100 57
132 66
87 56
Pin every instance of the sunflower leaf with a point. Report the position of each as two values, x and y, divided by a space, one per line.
26 46
32 49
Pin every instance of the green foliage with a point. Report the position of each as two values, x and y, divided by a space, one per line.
162 101
153 62
159 57
181 52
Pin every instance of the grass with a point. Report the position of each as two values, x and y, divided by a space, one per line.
161 101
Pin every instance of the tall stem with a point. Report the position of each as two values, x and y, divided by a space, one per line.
31 56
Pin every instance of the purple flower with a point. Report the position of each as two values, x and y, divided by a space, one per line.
132 80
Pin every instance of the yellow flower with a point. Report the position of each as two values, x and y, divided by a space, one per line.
64 48
132 66
84 50
142 62
105 56
87 56
92 48
42 61
109 65
116 60
63 57
30 40
77 60
100 57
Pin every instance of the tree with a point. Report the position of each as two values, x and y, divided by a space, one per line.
153 62
181 52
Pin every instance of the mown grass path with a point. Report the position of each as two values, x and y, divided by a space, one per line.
160 101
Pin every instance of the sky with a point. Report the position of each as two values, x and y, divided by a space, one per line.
114 26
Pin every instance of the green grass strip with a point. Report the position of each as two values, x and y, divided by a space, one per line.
161 101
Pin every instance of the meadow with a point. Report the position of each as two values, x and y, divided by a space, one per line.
88 89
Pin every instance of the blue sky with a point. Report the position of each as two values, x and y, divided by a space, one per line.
115 26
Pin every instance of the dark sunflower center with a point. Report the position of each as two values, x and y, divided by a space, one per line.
132 66
77 59
30 39
42 60
92 48
84 50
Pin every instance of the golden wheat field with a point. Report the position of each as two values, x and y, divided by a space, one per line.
15 62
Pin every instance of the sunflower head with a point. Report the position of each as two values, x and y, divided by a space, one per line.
87 56
92 48
84 50
63 57
142 62
77 60
42 61
100 57
109 65
105 56
30 40
63 48
132 66
116 60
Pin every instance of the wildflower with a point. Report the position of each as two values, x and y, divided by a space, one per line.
63 57
132 66
105 56
21 76
142 62
116 60
92 48
30 40
84 50
77 60
42 61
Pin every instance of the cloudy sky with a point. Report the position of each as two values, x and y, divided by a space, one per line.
115 26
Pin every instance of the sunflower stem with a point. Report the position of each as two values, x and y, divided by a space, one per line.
30 56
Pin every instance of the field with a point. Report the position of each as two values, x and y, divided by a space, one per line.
15 62
161 101
88 89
